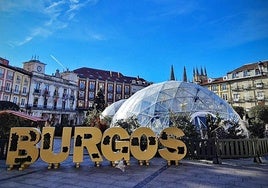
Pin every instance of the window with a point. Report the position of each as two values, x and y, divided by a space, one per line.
26 81
47 87
235 75
22 102
224 87
118 97
64 95
55 104
45 102
35 102
257 71
225 96
81 94
17 88
92 86
126 89
15 100
82 85
110 96
63 105
1 82
110 88
260 95
37 85
6 98
8 86
72 95
245 73
18 79
118 88
236 97
214 87
56 92
91 95
71 103
10 75
101 86
80 103
2 73
24 90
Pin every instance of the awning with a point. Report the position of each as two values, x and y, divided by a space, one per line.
23 115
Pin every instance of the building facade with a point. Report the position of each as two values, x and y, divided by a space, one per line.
52 97
14 84
114 85
246 86
62 98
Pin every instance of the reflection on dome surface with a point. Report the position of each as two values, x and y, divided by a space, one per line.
153 104
112 109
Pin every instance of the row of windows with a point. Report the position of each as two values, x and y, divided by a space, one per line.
55 103
55 92
16 89
246 73
91 96
10 76
101 85
216 87
15 100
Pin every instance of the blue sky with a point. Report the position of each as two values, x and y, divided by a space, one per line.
136 37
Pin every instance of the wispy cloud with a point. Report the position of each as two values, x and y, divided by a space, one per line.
56 15
241 28
172 8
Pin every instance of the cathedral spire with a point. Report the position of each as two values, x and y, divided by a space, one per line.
202 72
184 75
172 77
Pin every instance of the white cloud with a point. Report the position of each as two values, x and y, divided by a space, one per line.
241 28
25 5
56 15
97 37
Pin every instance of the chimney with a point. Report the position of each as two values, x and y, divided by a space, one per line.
4 61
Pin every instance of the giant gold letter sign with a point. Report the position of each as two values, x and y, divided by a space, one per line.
149 150
87 137
22 149
115 144
175 149
46 152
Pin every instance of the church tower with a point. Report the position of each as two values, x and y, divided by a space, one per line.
184 75
172 76
34 65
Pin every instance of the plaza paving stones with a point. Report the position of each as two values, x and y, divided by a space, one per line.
189 173
238 173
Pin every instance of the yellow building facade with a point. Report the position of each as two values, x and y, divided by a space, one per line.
15 83
246 86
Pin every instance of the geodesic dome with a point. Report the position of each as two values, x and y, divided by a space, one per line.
153 104
109 111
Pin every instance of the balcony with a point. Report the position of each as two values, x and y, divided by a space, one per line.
236 88
71 97
259 85
56 94
248 99
260 98
37 92
64 96
248 87
236 99
46 93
